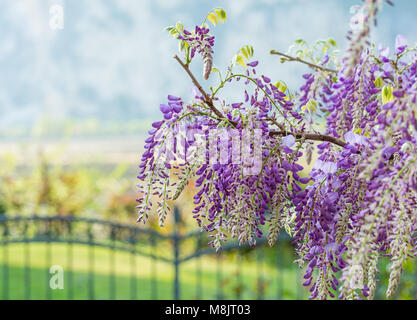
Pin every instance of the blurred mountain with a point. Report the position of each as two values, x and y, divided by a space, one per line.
112 61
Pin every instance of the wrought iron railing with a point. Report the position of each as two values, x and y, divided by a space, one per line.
177 250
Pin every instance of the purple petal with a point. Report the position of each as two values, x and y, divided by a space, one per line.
177 108
288 141
168 115
400 43
173 98
164 108
157 125
266 79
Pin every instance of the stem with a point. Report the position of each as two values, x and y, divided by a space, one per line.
310 136
207 99
209 102
311 65
262 89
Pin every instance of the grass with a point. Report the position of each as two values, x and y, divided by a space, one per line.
92 275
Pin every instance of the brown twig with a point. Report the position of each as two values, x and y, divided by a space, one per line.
311 65
207 98
209 102
279 125
310 136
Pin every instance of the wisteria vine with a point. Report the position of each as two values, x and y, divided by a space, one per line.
358 202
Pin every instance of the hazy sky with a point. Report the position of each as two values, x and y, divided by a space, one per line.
113 59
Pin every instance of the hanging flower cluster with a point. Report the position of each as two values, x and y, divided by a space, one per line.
199 40
359 202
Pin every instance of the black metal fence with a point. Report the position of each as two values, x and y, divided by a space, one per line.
214 275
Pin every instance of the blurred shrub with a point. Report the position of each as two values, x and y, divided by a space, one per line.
47 189
92 190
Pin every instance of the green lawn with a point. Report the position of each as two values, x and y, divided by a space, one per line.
132 277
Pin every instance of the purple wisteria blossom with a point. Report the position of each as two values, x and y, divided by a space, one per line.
358 201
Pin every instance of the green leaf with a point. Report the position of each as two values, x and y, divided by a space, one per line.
332 42
245 53
235 112
378 82
219 15
281 86
249 50
300 54
223 14
310 106
182 46
387 95
179 26
212 18
313 105
172 30
241 61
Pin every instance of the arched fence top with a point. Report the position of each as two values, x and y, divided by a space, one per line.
70 219
173 249
109 234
